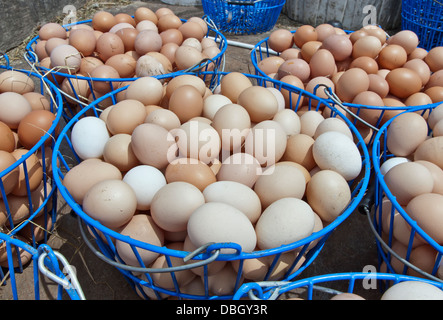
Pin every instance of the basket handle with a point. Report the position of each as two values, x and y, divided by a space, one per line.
189 266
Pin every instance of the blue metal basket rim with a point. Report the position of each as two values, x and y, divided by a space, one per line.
32 58
391 197
243 255
48 135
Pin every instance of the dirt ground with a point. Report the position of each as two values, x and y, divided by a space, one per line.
350 247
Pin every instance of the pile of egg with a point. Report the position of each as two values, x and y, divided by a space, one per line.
156 166
414 176
121 46
363 68
25 117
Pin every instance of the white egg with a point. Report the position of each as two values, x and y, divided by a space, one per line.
279 96
289 120
145 180
413 290
89 136
334 150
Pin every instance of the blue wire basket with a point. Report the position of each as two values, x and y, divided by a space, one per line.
105 238
425 18
243 16
325 287
392 258
74 97
362 116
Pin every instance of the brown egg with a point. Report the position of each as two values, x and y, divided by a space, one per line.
88 64
146 41
123 64
149 136
418 53
309 48
34 173
103 21
37 101
378 85
233 83
421 68
376 31
108 45
171 35
392 56
128 36
240 167
13 108
259 102
429 150
418 99
125 116
189 170
34 126
339 45
104 72
280 40
311 87
435 93
403 82
84 175
270 64
144 13
76 88
53 43
356 35
7 140
324 30
192 29
434 58
168 21
124 18
322 64
368 98
52 30
292 98
406 133
16 81
9 180
436 79
148 91
187 57
424 209
366 63
201 22
186 102
351 83
405 38
304 34
40 49
168 50
291 53
83 40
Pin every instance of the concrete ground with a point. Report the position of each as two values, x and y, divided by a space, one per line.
350 248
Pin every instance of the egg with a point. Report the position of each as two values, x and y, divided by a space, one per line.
103 21
213 103
429 150
277 182
125 116
149 136
392 56
220 222
111 202
390 163
285 221
165 118
413 290
379 85
368 98
89 136
289 120
280 40
259 102
37 101
65 58
10 179
124 64
183 79
144 13
233 83
292 99
145 181
34 126
309 48
83 40
118 152
322 64
297 67
339 45
187 57
192 29
299 150
186 102
51 30
401 185
368 46
435 93
147 41
328 193
32 177
433 59
335 151
13 108
7 140
19 256
147 90
190 170
240 167
333 124
142 228
309 122
403 82
304 34
84 175
224 282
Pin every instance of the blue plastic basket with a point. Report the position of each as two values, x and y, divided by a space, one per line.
385 239
105 238
324 287
243 16
425 18
73 100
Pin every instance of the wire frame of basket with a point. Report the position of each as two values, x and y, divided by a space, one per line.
367 119
385 210
44 262
141 277
325 287
78 90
